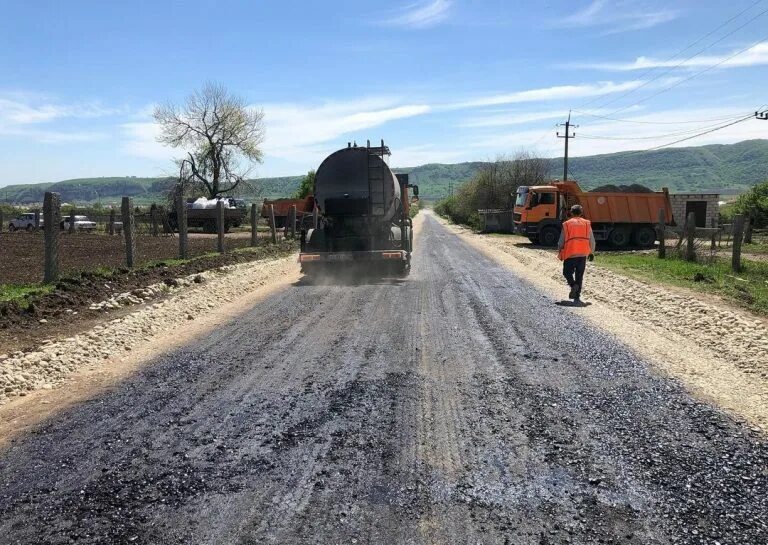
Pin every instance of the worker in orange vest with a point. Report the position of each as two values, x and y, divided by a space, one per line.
576 245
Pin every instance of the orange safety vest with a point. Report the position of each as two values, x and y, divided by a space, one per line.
576 236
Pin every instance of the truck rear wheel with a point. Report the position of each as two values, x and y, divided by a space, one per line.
549 236
619 237
644 236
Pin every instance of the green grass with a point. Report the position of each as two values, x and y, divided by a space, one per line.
748 288
11 292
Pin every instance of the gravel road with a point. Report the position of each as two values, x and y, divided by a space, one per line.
459 405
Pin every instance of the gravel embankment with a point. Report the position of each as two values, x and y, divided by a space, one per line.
188 298
715 347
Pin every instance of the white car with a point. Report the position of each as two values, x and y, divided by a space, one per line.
24 222
82 223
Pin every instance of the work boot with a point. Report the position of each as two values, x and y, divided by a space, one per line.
574 293
577 292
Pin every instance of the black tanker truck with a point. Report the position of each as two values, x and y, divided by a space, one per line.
361 211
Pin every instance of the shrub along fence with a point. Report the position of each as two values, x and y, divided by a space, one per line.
128 237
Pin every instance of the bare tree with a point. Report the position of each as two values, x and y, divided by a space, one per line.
219 132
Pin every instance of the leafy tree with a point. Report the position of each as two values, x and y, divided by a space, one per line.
306 187
218 131
754 204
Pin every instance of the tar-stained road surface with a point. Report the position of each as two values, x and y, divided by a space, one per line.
459 405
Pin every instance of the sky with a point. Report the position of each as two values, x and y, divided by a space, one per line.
438 80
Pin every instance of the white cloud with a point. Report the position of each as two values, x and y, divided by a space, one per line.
421 14
293 128
142 141
754 56
560 92
25 112
616 17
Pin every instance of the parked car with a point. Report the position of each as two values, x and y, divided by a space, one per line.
82 223
24 222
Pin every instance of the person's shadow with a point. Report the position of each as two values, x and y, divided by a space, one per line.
578 304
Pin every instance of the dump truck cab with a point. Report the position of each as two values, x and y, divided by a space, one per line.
536 214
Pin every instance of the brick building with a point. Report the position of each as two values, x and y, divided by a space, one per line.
704 205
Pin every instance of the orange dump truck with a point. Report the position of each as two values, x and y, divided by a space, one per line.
618 218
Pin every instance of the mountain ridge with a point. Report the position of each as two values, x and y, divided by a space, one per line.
723 168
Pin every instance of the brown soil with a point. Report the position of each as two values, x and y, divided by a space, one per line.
66 311
22 252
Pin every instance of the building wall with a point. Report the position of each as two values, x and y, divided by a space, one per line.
679 200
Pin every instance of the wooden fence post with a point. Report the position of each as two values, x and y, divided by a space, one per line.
738 232
37 220
181 225
220 226
72 220
690 232
661 227
272 223
254 225
51 220
155 228
748 224
712 223
129 231
292 219
2 220
111 224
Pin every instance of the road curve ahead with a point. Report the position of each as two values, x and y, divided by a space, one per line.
459 405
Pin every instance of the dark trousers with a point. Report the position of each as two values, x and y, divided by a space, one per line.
574 265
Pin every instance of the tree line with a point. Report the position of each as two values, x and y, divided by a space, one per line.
494 186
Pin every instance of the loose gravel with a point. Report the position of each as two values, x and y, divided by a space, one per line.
187 298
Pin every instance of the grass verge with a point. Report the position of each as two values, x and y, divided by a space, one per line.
9 292
748 288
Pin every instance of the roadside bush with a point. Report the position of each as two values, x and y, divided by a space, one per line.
754 203
493 187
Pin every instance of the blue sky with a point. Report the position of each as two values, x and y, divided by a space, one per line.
439 80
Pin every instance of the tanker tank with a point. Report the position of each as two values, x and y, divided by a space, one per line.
362 214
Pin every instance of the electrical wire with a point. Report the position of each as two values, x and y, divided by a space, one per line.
655 137
702 134
699 40
689 78
728 118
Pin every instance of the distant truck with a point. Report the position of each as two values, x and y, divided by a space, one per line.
205 218
618 218
82 223
282 207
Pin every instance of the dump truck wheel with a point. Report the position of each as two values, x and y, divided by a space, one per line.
533 240
619 237
644 236
549 236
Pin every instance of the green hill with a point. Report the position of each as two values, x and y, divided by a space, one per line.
728 168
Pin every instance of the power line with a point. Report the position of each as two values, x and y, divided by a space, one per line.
653 137
728 118
686 48
689 78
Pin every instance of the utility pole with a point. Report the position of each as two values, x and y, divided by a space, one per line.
763 116
567 136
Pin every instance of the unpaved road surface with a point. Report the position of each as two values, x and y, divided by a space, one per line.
460 405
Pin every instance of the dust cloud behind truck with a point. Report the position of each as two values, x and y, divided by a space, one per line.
363 213
618 218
